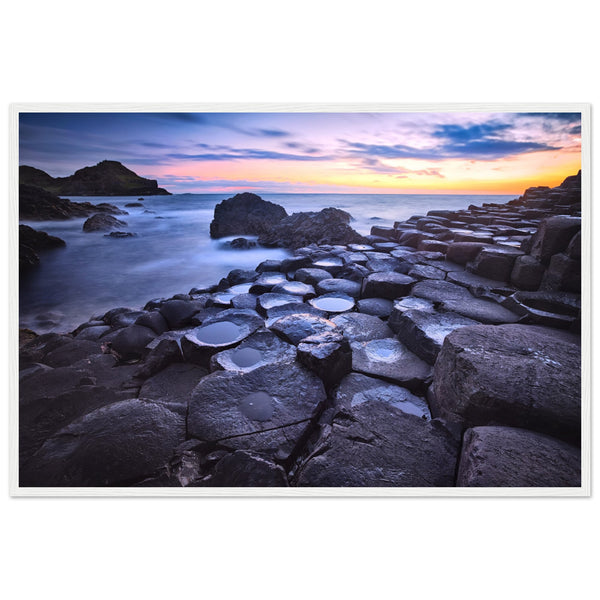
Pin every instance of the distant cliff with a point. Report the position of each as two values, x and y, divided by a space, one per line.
107 178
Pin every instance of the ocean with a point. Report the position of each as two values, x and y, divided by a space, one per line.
173 252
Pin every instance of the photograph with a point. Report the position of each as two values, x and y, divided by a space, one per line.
290 300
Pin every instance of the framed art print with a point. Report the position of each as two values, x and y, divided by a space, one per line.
300 300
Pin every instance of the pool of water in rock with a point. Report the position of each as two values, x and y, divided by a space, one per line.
332 304
383 350
246 357
258 406
224 332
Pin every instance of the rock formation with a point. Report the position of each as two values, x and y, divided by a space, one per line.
107 178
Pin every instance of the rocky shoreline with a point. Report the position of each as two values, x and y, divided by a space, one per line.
441 351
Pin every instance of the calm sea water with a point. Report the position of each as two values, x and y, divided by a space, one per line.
173 252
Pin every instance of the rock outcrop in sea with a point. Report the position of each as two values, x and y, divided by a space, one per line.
107 178
249 214
439 351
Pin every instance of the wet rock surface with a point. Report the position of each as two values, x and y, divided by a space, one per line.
252 410
325 368
517 375
509 457
377 445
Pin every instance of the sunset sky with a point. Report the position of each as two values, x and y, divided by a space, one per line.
422 152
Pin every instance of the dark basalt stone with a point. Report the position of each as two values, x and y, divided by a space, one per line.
261 348
387 285
266 282
390 359
153 320
378 307
178 313
454 298
326 354
100 222
173 385
223 331
359 327
509 457
339 286
245 214
268 301
553 236
424 332
355 389
296 288
295 327
329 226
311 276
515 375
246 469
377 445
130 342
266 410
114 445
120 234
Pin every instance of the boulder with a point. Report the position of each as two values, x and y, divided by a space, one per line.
553 236
329 226
328 355
376 445
311 276
296 288
388 285
130 342
359 327
463 252
31 242
424 332
527 273
267 281
178 313
266 410
510 457
495 263
153 320
339 286
454 298
355 389
102 222
390 359
295 327
115 445
516 375
165 353
246 469
378 307
563 274
245 214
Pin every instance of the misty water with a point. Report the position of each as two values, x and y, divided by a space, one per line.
173 253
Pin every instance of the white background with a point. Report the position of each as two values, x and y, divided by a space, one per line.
523 51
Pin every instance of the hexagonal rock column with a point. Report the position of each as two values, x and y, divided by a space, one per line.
219 333
516 375
510 457
423 332
377 445
553 236
390 285
267 410
328 355
389 359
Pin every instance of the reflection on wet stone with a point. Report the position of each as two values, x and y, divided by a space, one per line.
257 406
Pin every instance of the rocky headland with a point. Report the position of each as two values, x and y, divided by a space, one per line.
439 351
107 178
